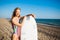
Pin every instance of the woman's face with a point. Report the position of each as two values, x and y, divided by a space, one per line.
17 12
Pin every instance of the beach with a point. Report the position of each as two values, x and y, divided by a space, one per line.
48 32
6 30
45 32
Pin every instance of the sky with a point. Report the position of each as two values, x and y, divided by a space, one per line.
43 9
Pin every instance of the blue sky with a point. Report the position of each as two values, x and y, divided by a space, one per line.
45 9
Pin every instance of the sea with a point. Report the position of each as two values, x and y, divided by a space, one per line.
55 22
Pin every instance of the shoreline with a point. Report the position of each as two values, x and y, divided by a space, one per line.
49 25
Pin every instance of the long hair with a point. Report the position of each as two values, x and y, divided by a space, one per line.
14 13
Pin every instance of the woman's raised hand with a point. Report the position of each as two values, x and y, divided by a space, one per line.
31 15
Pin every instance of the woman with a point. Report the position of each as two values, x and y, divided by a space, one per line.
16 25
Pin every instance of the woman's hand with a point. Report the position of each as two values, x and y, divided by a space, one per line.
31 15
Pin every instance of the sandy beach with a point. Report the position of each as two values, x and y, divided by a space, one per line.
45 32
48 32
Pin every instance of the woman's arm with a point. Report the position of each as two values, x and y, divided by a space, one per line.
14 21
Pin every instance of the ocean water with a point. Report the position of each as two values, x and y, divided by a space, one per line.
55 22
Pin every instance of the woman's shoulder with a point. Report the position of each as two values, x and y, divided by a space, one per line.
15 18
